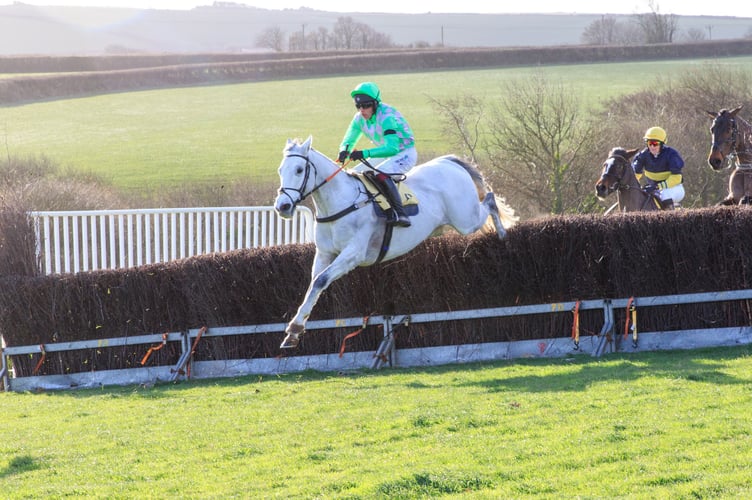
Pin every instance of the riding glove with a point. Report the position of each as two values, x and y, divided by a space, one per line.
356 154
650 188
342 156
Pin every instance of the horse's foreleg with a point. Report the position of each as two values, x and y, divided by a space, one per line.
320 281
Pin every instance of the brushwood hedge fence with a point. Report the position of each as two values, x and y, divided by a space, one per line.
548 260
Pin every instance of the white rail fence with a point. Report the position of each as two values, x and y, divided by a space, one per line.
608 339
76 241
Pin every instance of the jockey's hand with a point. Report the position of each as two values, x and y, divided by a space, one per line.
356 154
342 156
650 188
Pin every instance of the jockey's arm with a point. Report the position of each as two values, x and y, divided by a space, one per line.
662 180
390 147
351 138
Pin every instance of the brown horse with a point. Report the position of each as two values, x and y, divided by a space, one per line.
619 176
731 137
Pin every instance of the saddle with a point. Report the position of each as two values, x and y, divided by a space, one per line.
381 205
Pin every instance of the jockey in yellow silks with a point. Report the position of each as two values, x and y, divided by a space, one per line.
661 166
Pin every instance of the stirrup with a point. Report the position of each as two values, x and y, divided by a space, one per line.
397 219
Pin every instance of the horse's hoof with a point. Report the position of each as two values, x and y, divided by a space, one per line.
290 342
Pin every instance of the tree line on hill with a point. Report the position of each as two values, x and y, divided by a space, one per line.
648 28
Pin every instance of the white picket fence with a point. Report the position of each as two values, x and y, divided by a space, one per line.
76 241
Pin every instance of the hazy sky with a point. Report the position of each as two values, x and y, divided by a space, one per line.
738 8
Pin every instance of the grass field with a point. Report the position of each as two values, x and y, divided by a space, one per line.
648 425
218 134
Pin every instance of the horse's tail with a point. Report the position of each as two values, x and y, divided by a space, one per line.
480 182
506 213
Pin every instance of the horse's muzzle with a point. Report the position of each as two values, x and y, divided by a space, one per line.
601 190
715 162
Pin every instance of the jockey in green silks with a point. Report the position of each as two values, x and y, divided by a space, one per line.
393 142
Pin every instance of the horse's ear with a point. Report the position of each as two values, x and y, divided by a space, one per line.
713 114
631 152
736 110
307 143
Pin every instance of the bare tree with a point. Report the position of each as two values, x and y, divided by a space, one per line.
695 35
297 42
540 143
319 39
602 31
536 138
372 39
272 38
462 123
657 27
345 32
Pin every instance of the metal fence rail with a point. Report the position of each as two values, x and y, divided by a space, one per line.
386 352
76 241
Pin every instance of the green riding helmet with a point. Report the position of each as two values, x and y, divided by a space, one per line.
366 90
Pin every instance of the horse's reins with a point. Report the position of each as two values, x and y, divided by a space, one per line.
303 196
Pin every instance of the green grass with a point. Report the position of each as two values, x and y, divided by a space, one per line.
219 134
649 425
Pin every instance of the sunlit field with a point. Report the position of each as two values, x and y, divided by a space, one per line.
216 134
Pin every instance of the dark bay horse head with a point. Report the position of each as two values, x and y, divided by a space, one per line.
724 136
617 172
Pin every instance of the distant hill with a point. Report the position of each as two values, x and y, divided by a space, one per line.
26 29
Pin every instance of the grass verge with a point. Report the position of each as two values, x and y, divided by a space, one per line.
648 425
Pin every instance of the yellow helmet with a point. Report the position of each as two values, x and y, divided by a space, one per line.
655 134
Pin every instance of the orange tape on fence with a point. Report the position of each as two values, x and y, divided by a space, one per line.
154 348
631 315
41 360
351 335
193 350
576 323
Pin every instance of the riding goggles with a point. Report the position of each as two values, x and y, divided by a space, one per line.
654 143
366 104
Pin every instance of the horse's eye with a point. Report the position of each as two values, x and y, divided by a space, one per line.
299 170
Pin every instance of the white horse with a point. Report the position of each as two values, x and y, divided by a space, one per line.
448 191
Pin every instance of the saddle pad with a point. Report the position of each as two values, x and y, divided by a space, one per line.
408 197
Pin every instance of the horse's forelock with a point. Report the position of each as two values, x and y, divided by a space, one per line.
618 151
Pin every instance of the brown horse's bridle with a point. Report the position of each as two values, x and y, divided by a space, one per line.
618 185
730 140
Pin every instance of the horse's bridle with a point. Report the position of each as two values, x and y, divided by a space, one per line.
308 165
302 196
618 185
732 140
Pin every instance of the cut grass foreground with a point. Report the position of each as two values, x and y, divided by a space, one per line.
648 425
218 134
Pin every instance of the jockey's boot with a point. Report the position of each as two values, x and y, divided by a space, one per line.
667 204
389 189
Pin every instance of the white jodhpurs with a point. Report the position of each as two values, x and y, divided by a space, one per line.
675 193
400 163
